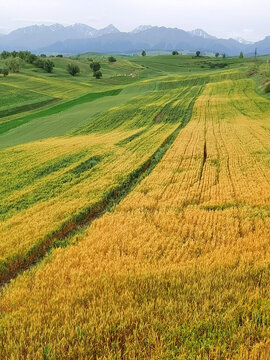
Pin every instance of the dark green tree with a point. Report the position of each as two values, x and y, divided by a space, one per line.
223 55
5 54
95 66
241 55
143 53
14 54
111 59
14 64
4 72
48 66
175 52
198 53
97 74
39 63
31 58
217 54
24 55
73 69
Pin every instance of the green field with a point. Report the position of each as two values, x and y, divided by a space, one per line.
135 216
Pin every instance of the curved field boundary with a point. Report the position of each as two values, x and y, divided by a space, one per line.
12 266
6 126
28 107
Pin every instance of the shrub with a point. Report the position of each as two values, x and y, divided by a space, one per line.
39 63
5 54
4 72
73 69
219 65
31 58
97 74
48 66
24 55
111 59
95 66
14 65
175 52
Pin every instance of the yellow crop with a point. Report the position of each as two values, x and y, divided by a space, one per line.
46 183
180 269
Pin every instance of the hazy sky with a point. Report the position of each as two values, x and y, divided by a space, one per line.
249 19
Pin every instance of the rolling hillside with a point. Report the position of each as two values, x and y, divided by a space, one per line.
134 219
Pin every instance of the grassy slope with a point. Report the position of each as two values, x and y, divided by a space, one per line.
32 88
58 85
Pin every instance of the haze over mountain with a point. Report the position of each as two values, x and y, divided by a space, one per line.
36 36
201 33
81 38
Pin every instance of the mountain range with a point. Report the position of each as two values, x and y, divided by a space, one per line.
80 38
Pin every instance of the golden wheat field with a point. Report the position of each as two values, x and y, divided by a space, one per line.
45 184
179 267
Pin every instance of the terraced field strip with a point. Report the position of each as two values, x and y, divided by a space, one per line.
53 86
54 198
74 118
6 126
180 268
23 108
14 100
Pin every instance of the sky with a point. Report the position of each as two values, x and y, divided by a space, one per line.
248 19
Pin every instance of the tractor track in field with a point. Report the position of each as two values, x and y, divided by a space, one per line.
12 267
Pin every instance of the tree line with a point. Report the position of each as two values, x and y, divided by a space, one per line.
15 60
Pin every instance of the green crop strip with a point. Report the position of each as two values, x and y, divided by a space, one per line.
19 109
6 126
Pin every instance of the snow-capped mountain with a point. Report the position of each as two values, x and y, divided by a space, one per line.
110 29
81 29
201 33
36 36
243 41
141 28
80 38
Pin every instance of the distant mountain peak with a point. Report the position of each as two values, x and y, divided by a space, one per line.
110 29
201 33
79 38
243 41
54 26
81 26
141 28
